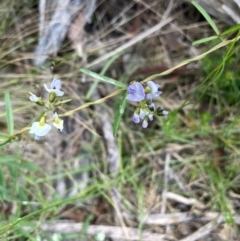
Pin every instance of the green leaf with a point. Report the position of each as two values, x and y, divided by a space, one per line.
7 159
204 40
2 179
29 166
103 71
104 78
3 137
13 169
10 122
233 29
3 144
206 16
119 115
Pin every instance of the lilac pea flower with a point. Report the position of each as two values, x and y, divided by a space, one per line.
154 90
145 123
135 92
143 114
152 108
56 83
136 118
55 87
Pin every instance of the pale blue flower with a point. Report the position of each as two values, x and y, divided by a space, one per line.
135 92
55 87
154 92
56 83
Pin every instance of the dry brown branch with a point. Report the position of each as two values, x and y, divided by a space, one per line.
205 230
176 218
184 200
115 233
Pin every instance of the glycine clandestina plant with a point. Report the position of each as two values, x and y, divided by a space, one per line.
145 109
141 93
41 128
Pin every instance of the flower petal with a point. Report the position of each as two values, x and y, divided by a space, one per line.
135 92
136 118
56 83
143 113
154 87
145 123
33 97
58 123
56 91
154 90
165 112
39 130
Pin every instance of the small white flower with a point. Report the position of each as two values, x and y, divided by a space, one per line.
58 123
154 90
39 130
55 87
33 97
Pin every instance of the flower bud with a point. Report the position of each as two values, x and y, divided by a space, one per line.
161 112
52 96
42 121
58 103
40 102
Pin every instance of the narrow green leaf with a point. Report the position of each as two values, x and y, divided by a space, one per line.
8 105
13 169
103 71
204 40
3 144
86 224
119 115
233 29
7 159
29 166
2 179
104 78
3 137
206 16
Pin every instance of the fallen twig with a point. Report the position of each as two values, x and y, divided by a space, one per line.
113 232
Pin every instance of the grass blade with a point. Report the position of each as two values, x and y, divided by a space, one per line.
103 71
233 29
3 137
204 40
104 78
8 105
119 115
206 16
